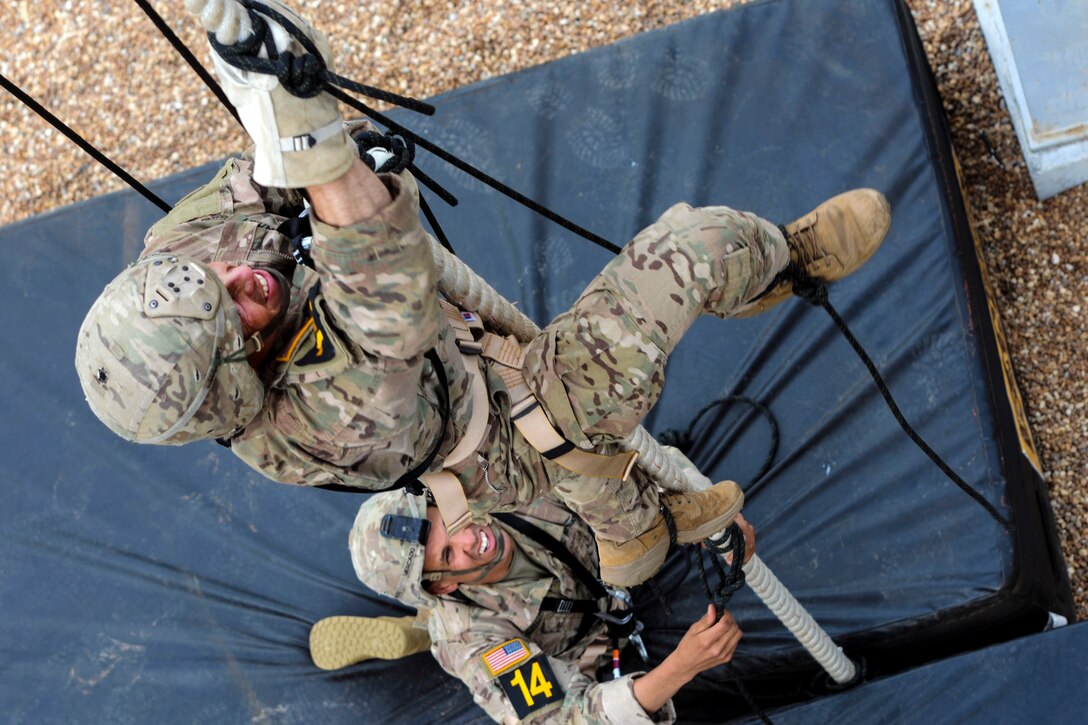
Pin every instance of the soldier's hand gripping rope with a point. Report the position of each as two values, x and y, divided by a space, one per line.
273 71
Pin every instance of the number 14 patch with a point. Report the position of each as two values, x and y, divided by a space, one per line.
531 686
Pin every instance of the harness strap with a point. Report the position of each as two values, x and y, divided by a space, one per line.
561 552
448 493
533 423
449 497
465 330
507 358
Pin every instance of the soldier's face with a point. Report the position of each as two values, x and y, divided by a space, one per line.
257 294
470 547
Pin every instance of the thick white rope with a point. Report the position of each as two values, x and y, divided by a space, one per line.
463 286
661 466
226 18
798 621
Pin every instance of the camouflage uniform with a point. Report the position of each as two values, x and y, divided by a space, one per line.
463 631
351 400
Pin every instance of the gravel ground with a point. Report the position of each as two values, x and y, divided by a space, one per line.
102 68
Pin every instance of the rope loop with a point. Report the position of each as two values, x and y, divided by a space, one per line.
304 75
403 150
301 75
805 287
685 441
670 523
681 440
250 45
731 541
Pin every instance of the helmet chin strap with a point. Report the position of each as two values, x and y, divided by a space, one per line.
483 569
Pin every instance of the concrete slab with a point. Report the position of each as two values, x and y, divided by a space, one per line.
1040 51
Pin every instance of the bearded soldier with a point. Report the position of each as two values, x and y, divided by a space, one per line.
355 373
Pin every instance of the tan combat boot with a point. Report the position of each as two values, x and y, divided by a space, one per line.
337 642
695 515
829 242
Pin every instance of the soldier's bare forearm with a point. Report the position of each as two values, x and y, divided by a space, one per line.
708 643
354 197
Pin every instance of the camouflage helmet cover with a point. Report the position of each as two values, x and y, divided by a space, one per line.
390 566
161 355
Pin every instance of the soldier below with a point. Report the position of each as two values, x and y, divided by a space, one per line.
511 617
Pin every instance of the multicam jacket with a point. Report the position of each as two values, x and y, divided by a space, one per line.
349 398
521 661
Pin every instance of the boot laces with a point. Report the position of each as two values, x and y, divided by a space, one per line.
670 523
803 241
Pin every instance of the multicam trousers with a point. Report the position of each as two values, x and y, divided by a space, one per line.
600 367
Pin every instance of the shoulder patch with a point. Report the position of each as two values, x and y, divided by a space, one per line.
505 656
531 686
313 347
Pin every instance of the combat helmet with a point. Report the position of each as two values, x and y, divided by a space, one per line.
387 544
161 355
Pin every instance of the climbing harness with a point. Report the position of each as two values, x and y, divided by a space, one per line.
621 624
505 356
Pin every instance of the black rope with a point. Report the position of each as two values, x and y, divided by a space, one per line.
670 523
476 173
308 75
187 54
433 221
815 293
731 541
404 152
304 75
655 588
685 440
83 144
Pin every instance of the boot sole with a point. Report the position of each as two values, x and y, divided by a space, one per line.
639 570
337 642
713 526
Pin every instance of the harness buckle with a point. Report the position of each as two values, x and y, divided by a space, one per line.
620 595
613 619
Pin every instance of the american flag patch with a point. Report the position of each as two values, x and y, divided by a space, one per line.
505 656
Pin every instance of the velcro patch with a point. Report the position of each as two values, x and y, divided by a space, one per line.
505 656
531 686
